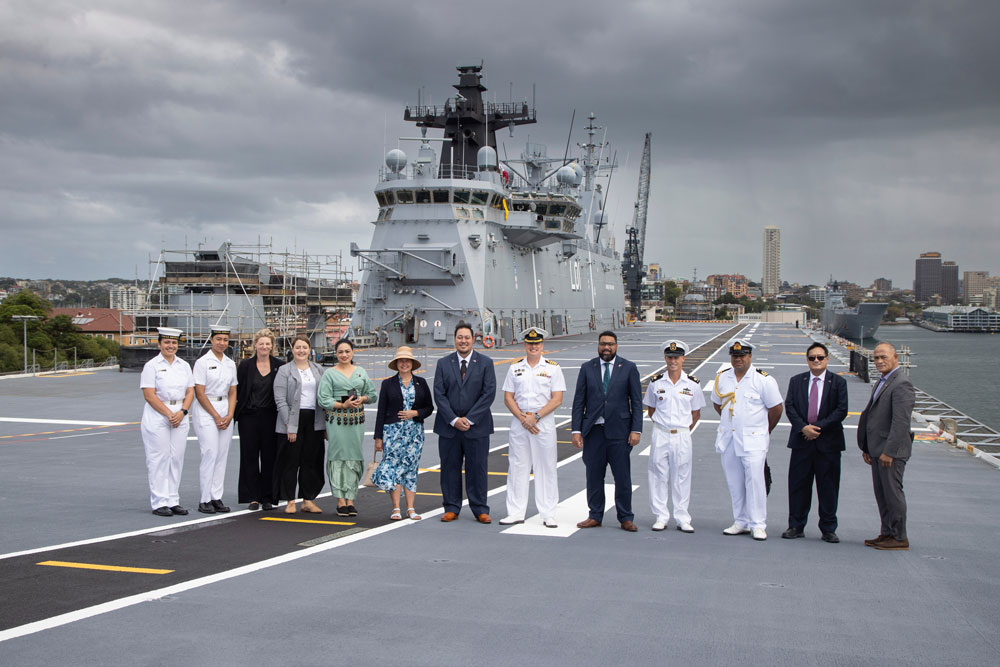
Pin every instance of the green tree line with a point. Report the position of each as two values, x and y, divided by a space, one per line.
45 335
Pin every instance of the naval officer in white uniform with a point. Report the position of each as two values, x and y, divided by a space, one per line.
674 401
215 389
168 386
532 391
749 402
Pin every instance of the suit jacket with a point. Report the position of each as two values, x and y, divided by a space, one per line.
621 407
884 427
471 398
288 395
832 411
243 379
390 402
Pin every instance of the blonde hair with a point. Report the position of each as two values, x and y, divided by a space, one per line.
264 333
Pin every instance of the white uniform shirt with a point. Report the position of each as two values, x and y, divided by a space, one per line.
533 387
674 403
170 381
745 418
217 376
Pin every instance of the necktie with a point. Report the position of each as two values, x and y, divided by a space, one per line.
607 376
814 401
463 368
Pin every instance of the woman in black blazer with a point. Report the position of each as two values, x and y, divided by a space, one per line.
404 402
255 415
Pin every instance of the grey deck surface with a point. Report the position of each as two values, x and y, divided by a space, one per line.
429 593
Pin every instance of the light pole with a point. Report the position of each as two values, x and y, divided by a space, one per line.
24 319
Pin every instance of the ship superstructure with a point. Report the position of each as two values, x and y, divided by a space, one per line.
461 237
861 321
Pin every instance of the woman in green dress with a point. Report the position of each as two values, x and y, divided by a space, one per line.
343 392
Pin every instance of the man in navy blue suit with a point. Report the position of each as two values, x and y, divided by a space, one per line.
607 424
816 404
465 385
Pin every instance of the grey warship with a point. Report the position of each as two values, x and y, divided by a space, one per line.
460 236
861 321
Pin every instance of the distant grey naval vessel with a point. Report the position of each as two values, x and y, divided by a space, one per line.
861 321
462 236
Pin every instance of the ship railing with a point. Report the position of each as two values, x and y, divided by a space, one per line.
453 171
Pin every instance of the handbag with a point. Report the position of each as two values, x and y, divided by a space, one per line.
366 479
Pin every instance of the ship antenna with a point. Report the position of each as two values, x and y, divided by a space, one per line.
600 223
568 138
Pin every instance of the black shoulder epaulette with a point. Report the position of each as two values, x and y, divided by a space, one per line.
762 372
554 363
694 379
656 377
517 360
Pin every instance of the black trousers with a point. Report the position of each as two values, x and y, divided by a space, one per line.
889 496
598 454
475 453
300 461
258 447
806 464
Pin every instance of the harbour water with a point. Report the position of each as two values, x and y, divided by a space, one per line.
960 369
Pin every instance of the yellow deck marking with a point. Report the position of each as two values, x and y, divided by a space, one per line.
67 375
800 354
853 413
109 568
331 523
421 493
68 430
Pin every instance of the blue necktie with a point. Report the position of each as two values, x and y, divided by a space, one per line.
607 376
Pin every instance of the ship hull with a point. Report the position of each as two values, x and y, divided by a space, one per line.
850 322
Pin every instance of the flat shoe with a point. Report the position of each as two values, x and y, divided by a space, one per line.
177 509
253 506
343 511
351 510
219 507
266 506
412 513
396 515
163 511
311 508
510 521
206 508
290 508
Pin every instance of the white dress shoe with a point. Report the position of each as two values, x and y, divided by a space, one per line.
550 523
660 525
510 521
685 528
736 529
759 534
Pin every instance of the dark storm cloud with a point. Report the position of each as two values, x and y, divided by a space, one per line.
862 129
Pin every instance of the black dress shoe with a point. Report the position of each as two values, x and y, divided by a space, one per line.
792 533
830 537
219 507
163 511
253 506
206 508
177 509
266 506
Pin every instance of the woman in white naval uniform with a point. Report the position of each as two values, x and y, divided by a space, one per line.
168 386
674 401
532 391
215 389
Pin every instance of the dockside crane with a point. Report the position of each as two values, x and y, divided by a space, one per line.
635 242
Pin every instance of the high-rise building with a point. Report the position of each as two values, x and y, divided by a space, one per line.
653 272
883 285
927 279
973 284
949 283
771 280
127 297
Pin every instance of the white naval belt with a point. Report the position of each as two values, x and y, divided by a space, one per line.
177 402
672 431
217 398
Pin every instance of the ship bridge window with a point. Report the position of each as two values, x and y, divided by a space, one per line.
423 196
442 196
521 206
380 196
497 202
404 196
573 213
552 224
479 197
478 213
541 209
390 197
461 196
557 209
461 211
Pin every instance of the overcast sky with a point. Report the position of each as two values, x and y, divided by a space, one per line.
867 131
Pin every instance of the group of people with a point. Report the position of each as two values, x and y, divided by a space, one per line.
306 405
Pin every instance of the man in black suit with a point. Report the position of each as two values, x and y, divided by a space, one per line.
816 405
465 385
607 424
886 443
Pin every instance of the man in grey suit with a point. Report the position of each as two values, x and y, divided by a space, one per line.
465 385
886 442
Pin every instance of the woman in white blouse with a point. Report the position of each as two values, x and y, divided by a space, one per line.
301 455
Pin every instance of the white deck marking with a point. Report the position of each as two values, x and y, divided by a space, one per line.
78 435
70 422
568 512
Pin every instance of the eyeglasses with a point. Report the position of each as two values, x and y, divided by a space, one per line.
816 357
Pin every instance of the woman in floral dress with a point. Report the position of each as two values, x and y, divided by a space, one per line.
404 403
343 392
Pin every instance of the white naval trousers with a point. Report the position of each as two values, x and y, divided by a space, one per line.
527 451
745 478
164 447
214 446
670 463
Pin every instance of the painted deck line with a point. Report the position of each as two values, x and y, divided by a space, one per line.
70 422
568 512
107 568
288 520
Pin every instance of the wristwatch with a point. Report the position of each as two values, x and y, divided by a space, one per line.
184 410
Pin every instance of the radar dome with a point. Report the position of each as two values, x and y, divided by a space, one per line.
395 160
486 158
566 175
578 170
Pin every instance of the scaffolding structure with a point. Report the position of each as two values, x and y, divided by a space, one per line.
247 288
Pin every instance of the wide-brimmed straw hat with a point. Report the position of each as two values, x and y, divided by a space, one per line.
404 352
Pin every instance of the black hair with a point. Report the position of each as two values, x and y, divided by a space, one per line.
339 342
465 325
608 333
819 345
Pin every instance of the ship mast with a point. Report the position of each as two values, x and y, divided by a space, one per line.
635 243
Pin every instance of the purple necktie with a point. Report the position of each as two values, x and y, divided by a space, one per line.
814 401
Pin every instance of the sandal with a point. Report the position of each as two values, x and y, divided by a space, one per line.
290 508
311 507
396 515
412 513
